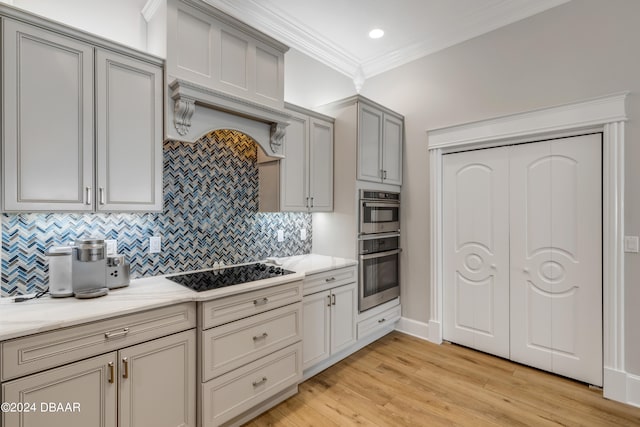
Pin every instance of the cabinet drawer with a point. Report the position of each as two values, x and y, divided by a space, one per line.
229 309
376 323
236 392
35 353
237 343
329 279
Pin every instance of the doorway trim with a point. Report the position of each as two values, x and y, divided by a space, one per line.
605 114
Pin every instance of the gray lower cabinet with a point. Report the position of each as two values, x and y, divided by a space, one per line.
330 310
67 102
144 379
251 353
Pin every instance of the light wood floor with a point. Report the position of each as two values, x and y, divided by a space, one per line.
400 380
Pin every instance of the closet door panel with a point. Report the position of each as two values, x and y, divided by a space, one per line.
476 250
556 256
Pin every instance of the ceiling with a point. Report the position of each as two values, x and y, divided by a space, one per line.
335 32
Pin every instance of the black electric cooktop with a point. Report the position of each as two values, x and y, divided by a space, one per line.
214 279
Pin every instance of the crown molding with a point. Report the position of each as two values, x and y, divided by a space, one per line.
150 8
289 30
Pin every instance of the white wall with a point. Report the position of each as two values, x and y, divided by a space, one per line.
117 20
576 51
309 83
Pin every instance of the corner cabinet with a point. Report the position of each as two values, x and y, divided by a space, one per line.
303 180
54 84
380 134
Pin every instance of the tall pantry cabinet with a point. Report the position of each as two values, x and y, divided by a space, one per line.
82 121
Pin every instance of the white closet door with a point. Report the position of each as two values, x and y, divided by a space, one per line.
476 249
556 256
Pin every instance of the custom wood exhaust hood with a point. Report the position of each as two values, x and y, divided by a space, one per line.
220 74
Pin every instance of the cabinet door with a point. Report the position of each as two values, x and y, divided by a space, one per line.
129 133
316 311
369 143
157 382
293 168
392 150
344 300
86 390
556 256
47 109
476 249
320 165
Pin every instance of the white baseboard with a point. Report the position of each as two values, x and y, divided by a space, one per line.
633 390
413 328
435 332
622 387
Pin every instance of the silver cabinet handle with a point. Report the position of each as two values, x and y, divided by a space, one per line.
382 320
328 300
312 202
116 334
333 299
125 362
88 195
259 337
330 279
260 381
259 302
112 372
384 174
101 194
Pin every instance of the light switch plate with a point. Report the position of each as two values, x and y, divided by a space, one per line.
303 234
280 235
155 244
631 244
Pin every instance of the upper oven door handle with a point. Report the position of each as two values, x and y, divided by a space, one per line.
380 205
380 254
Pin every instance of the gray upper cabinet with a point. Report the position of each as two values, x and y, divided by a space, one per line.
47 120
56 158
306 172
129 133
380 134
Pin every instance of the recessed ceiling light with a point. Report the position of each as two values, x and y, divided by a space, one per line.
376 33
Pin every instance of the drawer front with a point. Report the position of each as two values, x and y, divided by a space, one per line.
35 353
235 344
236 307
234 393
329 279
383 320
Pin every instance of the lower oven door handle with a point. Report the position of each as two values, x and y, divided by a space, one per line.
380 254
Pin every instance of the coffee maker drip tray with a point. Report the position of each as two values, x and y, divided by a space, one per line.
91 293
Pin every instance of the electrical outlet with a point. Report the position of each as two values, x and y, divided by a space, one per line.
280 235
303 234
155 244
112 246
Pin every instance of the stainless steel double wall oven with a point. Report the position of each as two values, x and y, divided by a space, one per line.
379 248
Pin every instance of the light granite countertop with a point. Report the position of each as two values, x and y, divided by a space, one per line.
46 313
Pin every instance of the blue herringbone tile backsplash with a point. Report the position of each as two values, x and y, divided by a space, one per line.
210 214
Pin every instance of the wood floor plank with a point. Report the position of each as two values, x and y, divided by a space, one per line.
400 380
